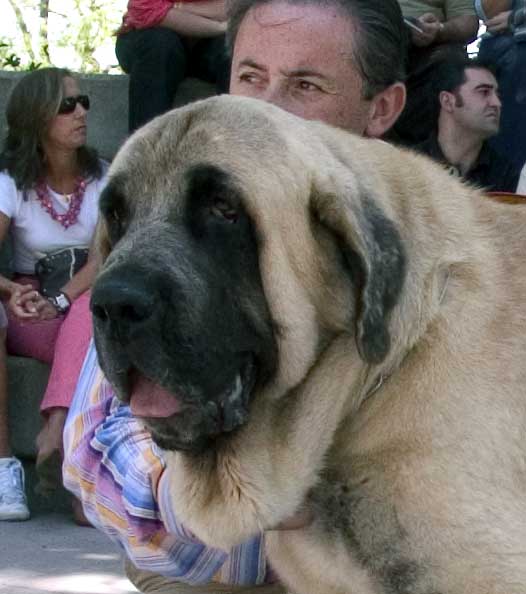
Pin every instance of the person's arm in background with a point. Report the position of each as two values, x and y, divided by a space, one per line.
500 23
208 19
14 293
459 29
507 21
190 24
113 466
211 9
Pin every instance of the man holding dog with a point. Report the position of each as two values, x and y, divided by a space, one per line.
340 62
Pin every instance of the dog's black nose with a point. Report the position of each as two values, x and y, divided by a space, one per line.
122 305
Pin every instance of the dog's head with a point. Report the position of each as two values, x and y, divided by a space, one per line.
236 245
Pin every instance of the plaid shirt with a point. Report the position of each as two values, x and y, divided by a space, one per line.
113 466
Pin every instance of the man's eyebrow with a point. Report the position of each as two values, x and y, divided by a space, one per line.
251 63
305 72
485 86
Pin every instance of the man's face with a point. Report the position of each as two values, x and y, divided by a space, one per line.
299 57
477 106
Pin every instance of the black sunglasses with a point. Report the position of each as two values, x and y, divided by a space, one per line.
68 104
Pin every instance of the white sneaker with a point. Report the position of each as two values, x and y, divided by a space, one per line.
13 502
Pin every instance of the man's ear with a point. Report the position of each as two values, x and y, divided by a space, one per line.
385 108
447 101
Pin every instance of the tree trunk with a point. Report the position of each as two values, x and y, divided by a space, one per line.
42 33
26 35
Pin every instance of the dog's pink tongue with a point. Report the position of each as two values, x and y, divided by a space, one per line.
148 399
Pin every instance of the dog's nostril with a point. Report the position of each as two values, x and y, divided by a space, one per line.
121 303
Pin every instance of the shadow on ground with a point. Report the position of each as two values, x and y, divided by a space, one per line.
50 554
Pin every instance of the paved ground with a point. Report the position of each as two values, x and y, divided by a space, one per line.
50 554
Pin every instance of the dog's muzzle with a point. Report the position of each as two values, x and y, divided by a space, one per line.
165 383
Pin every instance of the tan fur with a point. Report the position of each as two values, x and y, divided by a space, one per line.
437 454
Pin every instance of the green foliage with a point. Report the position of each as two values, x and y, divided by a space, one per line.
44 27
93 26
9 60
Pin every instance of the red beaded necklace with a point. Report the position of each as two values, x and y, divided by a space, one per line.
70 217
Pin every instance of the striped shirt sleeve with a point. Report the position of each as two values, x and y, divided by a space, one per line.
114 467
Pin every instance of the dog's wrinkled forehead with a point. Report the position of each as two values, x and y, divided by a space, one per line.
238 147
245 137
223 129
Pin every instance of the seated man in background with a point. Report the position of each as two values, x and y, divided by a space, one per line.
432 26
340 62
469 110
160 42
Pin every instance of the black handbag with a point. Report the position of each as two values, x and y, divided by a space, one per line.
54 270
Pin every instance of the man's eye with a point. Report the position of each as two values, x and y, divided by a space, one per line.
248 77
306 85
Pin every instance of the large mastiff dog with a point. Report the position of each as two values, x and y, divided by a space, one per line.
310 320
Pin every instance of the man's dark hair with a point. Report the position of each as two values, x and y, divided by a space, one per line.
380 48
450 75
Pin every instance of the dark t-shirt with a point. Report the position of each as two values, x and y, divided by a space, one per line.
490 171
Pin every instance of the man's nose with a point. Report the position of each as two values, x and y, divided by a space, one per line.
495 100
278 95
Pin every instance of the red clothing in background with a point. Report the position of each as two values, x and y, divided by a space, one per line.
143 14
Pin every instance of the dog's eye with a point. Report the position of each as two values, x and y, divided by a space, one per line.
221 209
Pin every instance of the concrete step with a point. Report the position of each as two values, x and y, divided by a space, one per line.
50 554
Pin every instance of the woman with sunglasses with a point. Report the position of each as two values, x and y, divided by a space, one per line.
50 183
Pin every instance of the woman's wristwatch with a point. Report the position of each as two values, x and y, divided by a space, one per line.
60 302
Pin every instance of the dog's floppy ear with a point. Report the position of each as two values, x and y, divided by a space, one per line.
374 253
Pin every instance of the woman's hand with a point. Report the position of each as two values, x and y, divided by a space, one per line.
499 23
20 301
31 306
45 309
